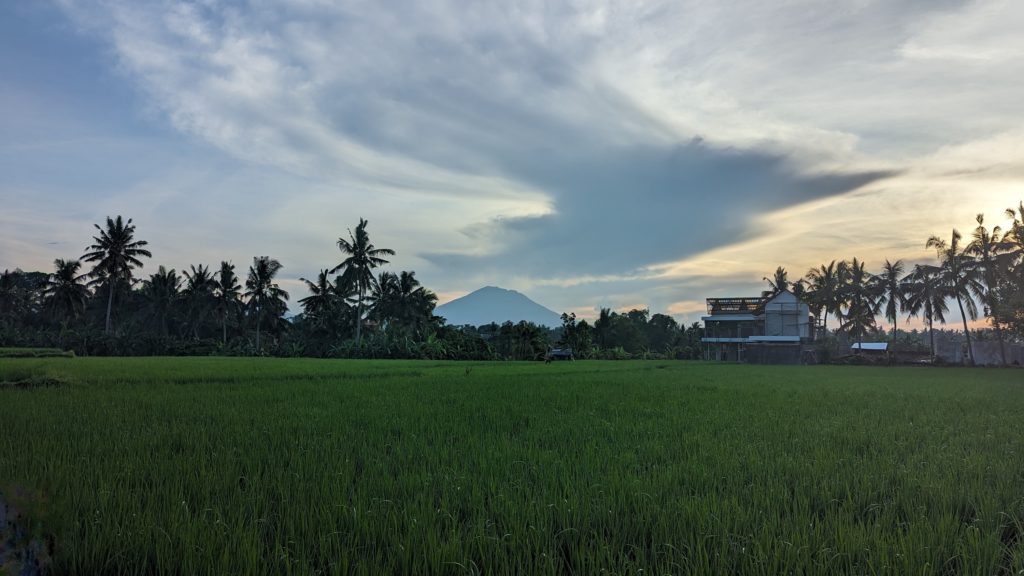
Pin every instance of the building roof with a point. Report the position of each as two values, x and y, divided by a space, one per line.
739 305
876 346
745 304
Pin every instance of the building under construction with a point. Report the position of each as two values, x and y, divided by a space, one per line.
773 329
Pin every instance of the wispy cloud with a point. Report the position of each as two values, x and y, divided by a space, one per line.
634 152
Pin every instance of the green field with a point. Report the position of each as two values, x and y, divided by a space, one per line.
248 466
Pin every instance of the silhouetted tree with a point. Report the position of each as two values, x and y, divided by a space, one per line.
266 298
927 295
959 273
400 300
860 294
321 307
65 292
777 283
357 267
988 248
199 299
115 253
161 296
825 290
893 292
227 296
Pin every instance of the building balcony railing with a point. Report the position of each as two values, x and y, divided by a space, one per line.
734 305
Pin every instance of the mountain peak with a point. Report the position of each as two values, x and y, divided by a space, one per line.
496 304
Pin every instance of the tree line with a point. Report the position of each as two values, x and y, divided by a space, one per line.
352 311
98 305
982 276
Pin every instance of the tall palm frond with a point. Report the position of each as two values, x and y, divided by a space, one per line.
65 292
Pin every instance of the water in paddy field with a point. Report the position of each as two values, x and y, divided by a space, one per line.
20 553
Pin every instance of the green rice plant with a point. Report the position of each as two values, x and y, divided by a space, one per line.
280 466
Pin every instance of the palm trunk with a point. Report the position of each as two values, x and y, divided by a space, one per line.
359 316
110 304
993 308
892 345
970 347
259 320
224 327
999 337
931 334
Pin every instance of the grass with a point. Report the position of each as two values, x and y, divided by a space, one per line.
250 466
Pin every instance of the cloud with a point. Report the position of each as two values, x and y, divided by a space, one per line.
620 210
600 145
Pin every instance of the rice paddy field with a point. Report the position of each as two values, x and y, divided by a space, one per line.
275 466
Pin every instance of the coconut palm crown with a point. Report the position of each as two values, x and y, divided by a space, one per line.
115 252
357 267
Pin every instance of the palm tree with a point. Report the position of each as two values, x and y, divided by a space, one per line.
199 295
115 252
227 295
65 291
1013 240
961 277
263 293
860 294
320 305
893 291
358 267
417 302
777 283
927 294
825 288
400 299
1017 215
603 327
799 289
528 341
990 251
383 300
161 295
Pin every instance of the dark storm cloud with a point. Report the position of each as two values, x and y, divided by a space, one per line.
619 210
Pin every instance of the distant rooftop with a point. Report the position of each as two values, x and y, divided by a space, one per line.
876 346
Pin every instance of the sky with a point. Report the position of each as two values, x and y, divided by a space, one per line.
587 153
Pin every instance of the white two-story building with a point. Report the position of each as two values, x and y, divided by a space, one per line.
759 330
